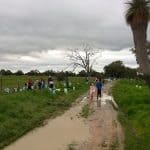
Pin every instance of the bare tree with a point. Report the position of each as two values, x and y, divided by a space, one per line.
84 57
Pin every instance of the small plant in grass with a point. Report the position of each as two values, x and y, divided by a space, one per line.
86 111
114 145
72 146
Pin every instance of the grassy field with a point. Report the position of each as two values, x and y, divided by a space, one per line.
134 103
23 111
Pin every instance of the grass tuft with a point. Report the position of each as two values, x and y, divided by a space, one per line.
72 146
86 111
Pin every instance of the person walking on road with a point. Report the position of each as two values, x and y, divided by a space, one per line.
99 90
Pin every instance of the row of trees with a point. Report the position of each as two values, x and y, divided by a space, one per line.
115 70
82 73
36 73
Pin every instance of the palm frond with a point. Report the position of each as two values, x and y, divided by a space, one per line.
137 10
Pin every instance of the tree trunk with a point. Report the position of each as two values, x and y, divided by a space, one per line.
139 34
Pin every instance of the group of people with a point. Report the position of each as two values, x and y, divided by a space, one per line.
40 84
95 89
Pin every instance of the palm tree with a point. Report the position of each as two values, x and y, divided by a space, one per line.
138 16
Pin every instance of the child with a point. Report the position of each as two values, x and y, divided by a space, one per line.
99 91
50 82
30 84
99 88
91 92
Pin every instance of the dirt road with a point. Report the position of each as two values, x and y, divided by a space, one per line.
105 130
101 131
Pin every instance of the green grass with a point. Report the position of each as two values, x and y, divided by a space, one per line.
114 145
86 111
134 114
72 146
23 111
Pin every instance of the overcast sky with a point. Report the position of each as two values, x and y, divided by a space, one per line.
36 33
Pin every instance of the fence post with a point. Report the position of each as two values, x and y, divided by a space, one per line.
1 84
18 84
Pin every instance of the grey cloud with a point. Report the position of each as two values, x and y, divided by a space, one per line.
55 60
29 27
45 24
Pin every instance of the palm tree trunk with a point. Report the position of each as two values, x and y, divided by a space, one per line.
139 34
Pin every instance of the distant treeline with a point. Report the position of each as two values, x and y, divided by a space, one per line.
115 69
49 72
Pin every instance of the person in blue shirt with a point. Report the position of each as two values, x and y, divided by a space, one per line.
99 88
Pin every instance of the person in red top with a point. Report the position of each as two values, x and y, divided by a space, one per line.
30 84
